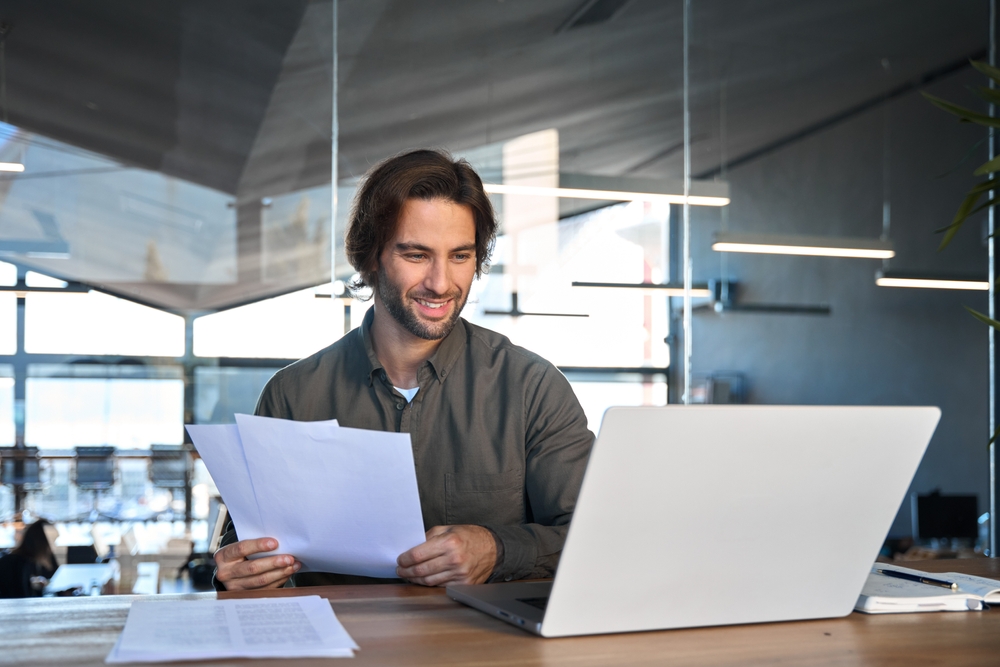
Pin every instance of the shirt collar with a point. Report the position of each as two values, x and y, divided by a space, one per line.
440 362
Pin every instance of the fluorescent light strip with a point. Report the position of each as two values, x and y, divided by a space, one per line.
11 166
604 195
810 251
933 283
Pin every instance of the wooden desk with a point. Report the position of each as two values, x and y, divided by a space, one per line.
410 625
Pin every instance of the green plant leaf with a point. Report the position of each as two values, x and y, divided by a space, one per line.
987 69
993 439
985 186
964 210
967 115
991 95
984 318
988 167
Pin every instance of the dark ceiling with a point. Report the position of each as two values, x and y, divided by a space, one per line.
183 86
234 94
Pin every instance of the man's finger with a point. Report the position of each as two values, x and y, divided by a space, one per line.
269 579
425 568
250 568
432 548
240 550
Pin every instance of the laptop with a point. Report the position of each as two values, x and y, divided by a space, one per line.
715 515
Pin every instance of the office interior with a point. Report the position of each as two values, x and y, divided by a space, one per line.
180 175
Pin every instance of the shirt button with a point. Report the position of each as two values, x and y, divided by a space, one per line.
383 376
508 578
400 406
444 373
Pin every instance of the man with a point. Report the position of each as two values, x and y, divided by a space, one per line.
500 442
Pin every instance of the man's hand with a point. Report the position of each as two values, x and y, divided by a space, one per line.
238 573
451 555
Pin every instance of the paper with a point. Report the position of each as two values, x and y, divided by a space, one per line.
168 630
988 589
883 594
339 499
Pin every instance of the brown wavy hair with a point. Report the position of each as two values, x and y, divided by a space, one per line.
421 174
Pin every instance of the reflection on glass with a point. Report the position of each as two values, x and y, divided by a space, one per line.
96 323
8 274
220 393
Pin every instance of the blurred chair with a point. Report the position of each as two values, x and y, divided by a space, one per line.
170 467
20 470
95 471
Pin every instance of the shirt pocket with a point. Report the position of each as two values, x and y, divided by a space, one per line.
481 499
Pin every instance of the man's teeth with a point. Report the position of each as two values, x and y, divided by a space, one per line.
428 304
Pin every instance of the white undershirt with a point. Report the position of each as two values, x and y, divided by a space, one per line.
408 394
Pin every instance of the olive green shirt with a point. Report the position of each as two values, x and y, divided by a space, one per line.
499 438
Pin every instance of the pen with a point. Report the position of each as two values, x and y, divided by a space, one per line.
923 580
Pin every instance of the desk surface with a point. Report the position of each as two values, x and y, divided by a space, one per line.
411 625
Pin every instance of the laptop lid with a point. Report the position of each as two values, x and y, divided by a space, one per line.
714 515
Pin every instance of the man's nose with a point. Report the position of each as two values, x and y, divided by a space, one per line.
438 278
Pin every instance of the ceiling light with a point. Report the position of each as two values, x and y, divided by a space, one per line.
11 166
929 281
604 195
817 246
697 291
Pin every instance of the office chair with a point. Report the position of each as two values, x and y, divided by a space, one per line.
20 470
170 467
95 471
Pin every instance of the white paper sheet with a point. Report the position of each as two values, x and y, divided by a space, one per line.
221 449
169 630
339 499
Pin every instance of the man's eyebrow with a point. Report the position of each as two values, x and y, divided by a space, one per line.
404 247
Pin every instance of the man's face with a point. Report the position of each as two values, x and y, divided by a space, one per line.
426 270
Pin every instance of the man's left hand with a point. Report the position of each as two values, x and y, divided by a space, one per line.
451 555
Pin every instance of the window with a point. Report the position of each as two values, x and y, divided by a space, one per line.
96 323
123 406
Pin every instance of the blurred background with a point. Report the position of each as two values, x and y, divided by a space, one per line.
177 175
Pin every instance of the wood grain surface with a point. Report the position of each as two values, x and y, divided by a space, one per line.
411 625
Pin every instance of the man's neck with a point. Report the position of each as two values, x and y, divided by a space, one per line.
399 351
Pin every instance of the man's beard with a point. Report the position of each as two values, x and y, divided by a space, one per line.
392 298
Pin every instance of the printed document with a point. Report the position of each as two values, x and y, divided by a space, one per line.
339 499
293 627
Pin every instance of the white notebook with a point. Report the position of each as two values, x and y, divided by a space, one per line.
883 594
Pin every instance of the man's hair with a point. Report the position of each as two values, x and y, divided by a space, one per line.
420 174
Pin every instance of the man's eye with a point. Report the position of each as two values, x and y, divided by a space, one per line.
416 256
461 257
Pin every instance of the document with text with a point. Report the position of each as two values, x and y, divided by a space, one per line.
339 499
290 627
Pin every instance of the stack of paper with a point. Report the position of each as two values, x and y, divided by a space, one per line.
883 594
339 499
295 627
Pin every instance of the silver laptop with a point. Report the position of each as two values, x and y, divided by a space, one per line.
716 515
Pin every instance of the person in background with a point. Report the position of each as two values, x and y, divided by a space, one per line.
26 570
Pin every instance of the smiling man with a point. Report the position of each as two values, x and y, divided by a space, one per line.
500 442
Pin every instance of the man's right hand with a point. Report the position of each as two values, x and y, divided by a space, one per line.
237 572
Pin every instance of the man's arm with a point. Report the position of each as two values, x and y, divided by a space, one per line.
557 445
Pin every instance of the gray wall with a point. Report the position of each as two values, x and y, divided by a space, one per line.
880 346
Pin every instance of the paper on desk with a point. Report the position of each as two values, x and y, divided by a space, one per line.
168 630
339 499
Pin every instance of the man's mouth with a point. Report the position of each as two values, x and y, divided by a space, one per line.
433 305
